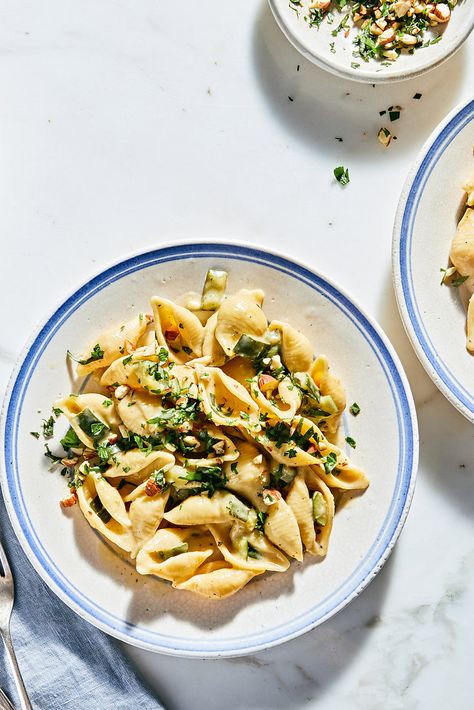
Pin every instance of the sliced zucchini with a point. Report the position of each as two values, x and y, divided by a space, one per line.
164 555
213 290
320 513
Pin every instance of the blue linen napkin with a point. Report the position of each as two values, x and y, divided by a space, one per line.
65 662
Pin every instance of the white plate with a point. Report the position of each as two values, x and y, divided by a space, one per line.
314 44
427 216
144 611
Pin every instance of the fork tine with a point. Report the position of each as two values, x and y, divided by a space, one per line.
7 573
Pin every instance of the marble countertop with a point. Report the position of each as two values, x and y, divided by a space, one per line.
127 125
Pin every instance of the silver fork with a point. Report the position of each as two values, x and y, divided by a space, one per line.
7 596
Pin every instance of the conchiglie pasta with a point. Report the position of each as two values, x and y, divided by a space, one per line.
267 556
240 315
109 527
86 411
218 583
207 455
296 350
281 528
175 553
177 329
112 344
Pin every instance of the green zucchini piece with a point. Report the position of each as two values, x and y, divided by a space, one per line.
248 347
238 510
172 552
98 508
320 513
90 425
213 290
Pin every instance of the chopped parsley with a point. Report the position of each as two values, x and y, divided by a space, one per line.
96 354
48 427
57 411
70 440
35 434
351 442
330 463
260 524
342 175
354 409
107 403
210 478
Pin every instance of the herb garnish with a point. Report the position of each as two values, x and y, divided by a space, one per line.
354 409
351 441
342 175
96 354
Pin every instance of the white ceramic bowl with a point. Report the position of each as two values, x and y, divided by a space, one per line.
429 209
314 44
103 588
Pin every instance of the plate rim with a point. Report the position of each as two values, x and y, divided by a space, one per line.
369 77
433 148
233 248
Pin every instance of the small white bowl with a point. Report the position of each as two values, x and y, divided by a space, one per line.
428 212
314 44
145 611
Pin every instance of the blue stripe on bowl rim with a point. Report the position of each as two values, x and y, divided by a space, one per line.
408 208
361 576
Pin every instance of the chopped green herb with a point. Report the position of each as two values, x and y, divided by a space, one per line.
351 441
35 434
96 354
331 462
354 409
70 440
48 427
107 403
342 175
127 360
417 96
57 411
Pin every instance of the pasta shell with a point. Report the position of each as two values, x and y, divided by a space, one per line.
470 325
97 404
218 584
111 500
270 557
145 514
175 553
114 531
211 347
225 401
296 350
238 315
136 466
315 483
201 510
177 329
299 500
281 528
114 343
462 247
249 476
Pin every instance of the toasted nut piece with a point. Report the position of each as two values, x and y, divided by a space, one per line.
258 459
190 441
312 448
89 454
112 438
267 382
381 23
152 488
171 334
121 391
375 30
442 12
401 7
270 496
70 500
408 40
391 55
386 37
219 447
69 462
320 5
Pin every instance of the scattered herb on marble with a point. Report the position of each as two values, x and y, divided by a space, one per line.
342 175
354 409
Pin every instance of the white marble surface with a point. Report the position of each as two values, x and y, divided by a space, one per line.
127 124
